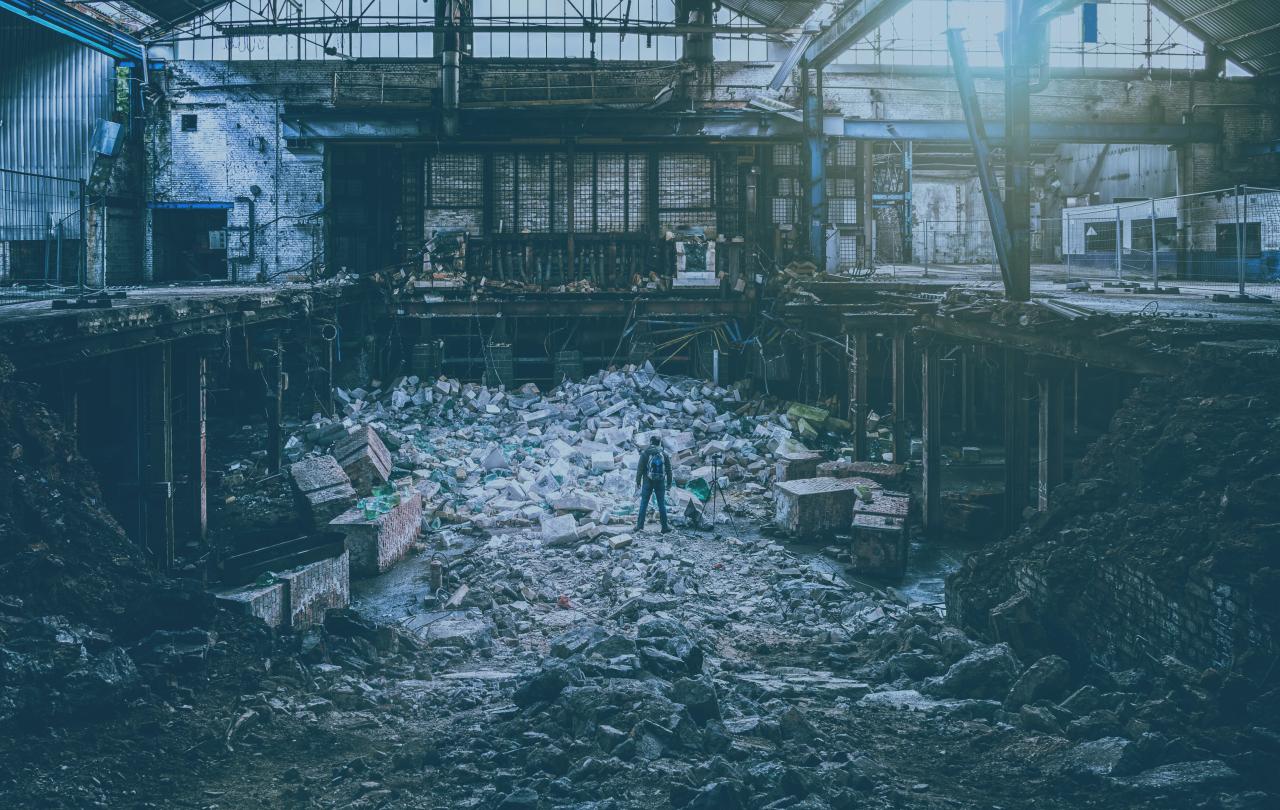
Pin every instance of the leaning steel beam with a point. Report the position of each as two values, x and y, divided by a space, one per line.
978 138
855 20
1043 131
788 64
82 28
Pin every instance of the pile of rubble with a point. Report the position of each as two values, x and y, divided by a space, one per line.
563 461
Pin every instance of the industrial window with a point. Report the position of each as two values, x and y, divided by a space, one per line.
533 175
584 195
1227 239
504 192
637 191
189 122
1100 236
560 192
532 191
686 196
455 180
611 192
729 202
1166 233
784 207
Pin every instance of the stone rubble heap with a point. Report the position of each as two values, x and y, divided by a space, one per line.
563 462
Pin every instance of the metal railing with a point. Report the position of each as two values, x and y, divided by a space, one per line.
43 230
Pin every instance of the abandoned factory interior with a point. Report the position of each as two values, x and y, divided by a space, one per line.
640 404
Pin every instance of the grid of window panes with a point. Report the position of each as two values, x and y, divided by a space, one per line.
202 38
1129 34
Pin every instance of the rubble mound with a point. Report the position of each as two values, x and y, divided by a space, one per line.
1162 554
84 622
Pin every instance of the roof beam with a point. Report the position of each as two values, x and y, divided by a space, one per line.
80 27
855 20
1047 131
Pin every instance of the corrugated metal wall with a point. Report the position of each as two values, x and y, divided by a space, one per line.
52 92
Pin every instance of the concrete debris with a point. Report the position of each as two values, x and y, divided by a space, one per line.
323 488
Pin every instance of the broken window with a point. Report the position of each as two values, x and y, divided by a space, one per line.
189 122
1166 234
1227 239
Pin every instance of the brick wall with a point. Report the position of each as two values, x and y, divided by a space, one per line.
1132 618
236 155
315 588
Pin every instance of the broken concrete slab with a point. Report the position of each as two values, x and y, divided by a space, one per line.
364 458
322 488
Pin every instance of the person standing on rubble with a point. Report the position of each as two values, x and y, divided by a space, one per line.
653 477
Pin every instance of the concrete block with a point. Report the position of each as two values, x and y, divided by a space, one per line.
879 545
888 475
619 541
559 530
313 588
364 457
322 488
267 602
796 465
885 502
814 507
377 544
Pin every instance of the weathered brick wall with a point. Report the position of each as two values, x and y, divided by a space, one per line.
316 587
236 155
1202 621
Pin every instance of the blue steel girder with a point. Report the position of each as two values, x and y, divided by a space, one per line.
976 130
72 24
855 20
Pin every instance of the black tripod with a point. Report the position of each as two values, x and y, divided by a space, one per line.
716 489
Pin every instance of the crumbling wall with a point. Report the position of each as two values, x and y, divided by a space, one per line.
1165 544
236 156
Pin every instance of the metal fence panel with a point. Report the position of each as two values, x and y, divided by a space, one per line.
42 235
1219 242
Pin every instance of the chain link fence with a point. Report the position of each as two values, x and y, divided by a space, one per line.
1221 242
43 224
957 247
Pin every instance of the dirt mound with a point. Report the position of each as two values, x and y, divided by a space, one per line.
1183 490
84 622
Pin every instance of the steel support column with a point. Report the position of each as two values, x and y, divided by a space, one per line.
858 393
196 378
815 209
271 360
1017 445
931 424
901 438
156 493
967 391
865 211
982 155
1052 414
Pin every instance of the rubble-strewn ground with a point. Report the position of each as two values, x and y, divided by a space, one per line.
703 668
